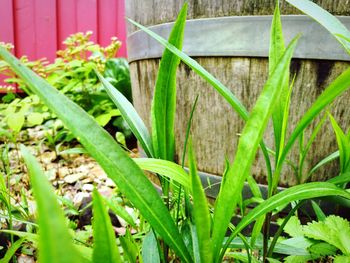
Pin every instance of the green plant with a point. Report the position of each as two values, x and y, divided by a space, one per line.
72 73
326 237
201 234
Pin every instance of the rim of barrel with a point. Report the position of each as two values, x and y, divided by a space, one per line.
220 38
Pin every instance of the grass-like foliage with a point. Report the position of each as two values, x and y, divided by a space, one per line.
183 224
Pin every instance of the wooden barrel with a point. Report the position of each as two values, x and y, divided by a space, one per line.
230 39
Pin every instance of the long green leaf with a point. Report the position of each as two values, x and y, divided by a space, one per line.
326 19
150 249
117 164
130 115
247 147
168 169
55 243
295 193
86 252
105 246
200 212
337 87
343 145
164 99
340 179
324 161
224 91
276 51
12 250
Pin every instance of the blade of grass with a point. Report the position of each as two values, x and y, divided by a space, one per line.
55 242
105 247
326 19
12 250
164 99
343 145
168 169
276 51
306 149
324 161
186 194
318 211
295 193
281 227
246 151
200 211
340 179
337 87
224 91
117 164
130 115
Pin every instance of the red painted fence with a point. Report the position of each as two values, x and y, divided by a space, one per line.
38 27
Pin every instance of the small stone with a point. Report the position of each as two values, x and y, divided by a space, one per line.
106 191
62 172
73 178
78 198
88 187
47 157
25 259
87 180
51 174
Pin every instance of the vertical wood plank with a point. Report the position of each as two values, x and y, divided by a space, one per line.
86 15
6 27
121 27
107 22
25 28
45 28
66 20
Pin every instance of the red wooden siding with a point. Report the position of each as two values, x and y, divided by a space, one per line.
38 27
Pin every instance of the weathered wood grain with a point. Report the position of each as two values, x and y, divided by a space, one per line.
216 127
153 12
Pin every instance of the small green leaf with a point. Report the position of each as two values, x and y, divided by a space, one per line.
55 242
297 259
15 121
105 246
293 227
322 249
333 230
103 119
35 118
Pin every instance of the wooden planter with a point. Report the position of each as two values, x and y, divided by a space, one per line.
230 39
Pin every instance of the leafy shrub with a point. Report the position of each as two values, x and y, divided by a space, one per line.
72 73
